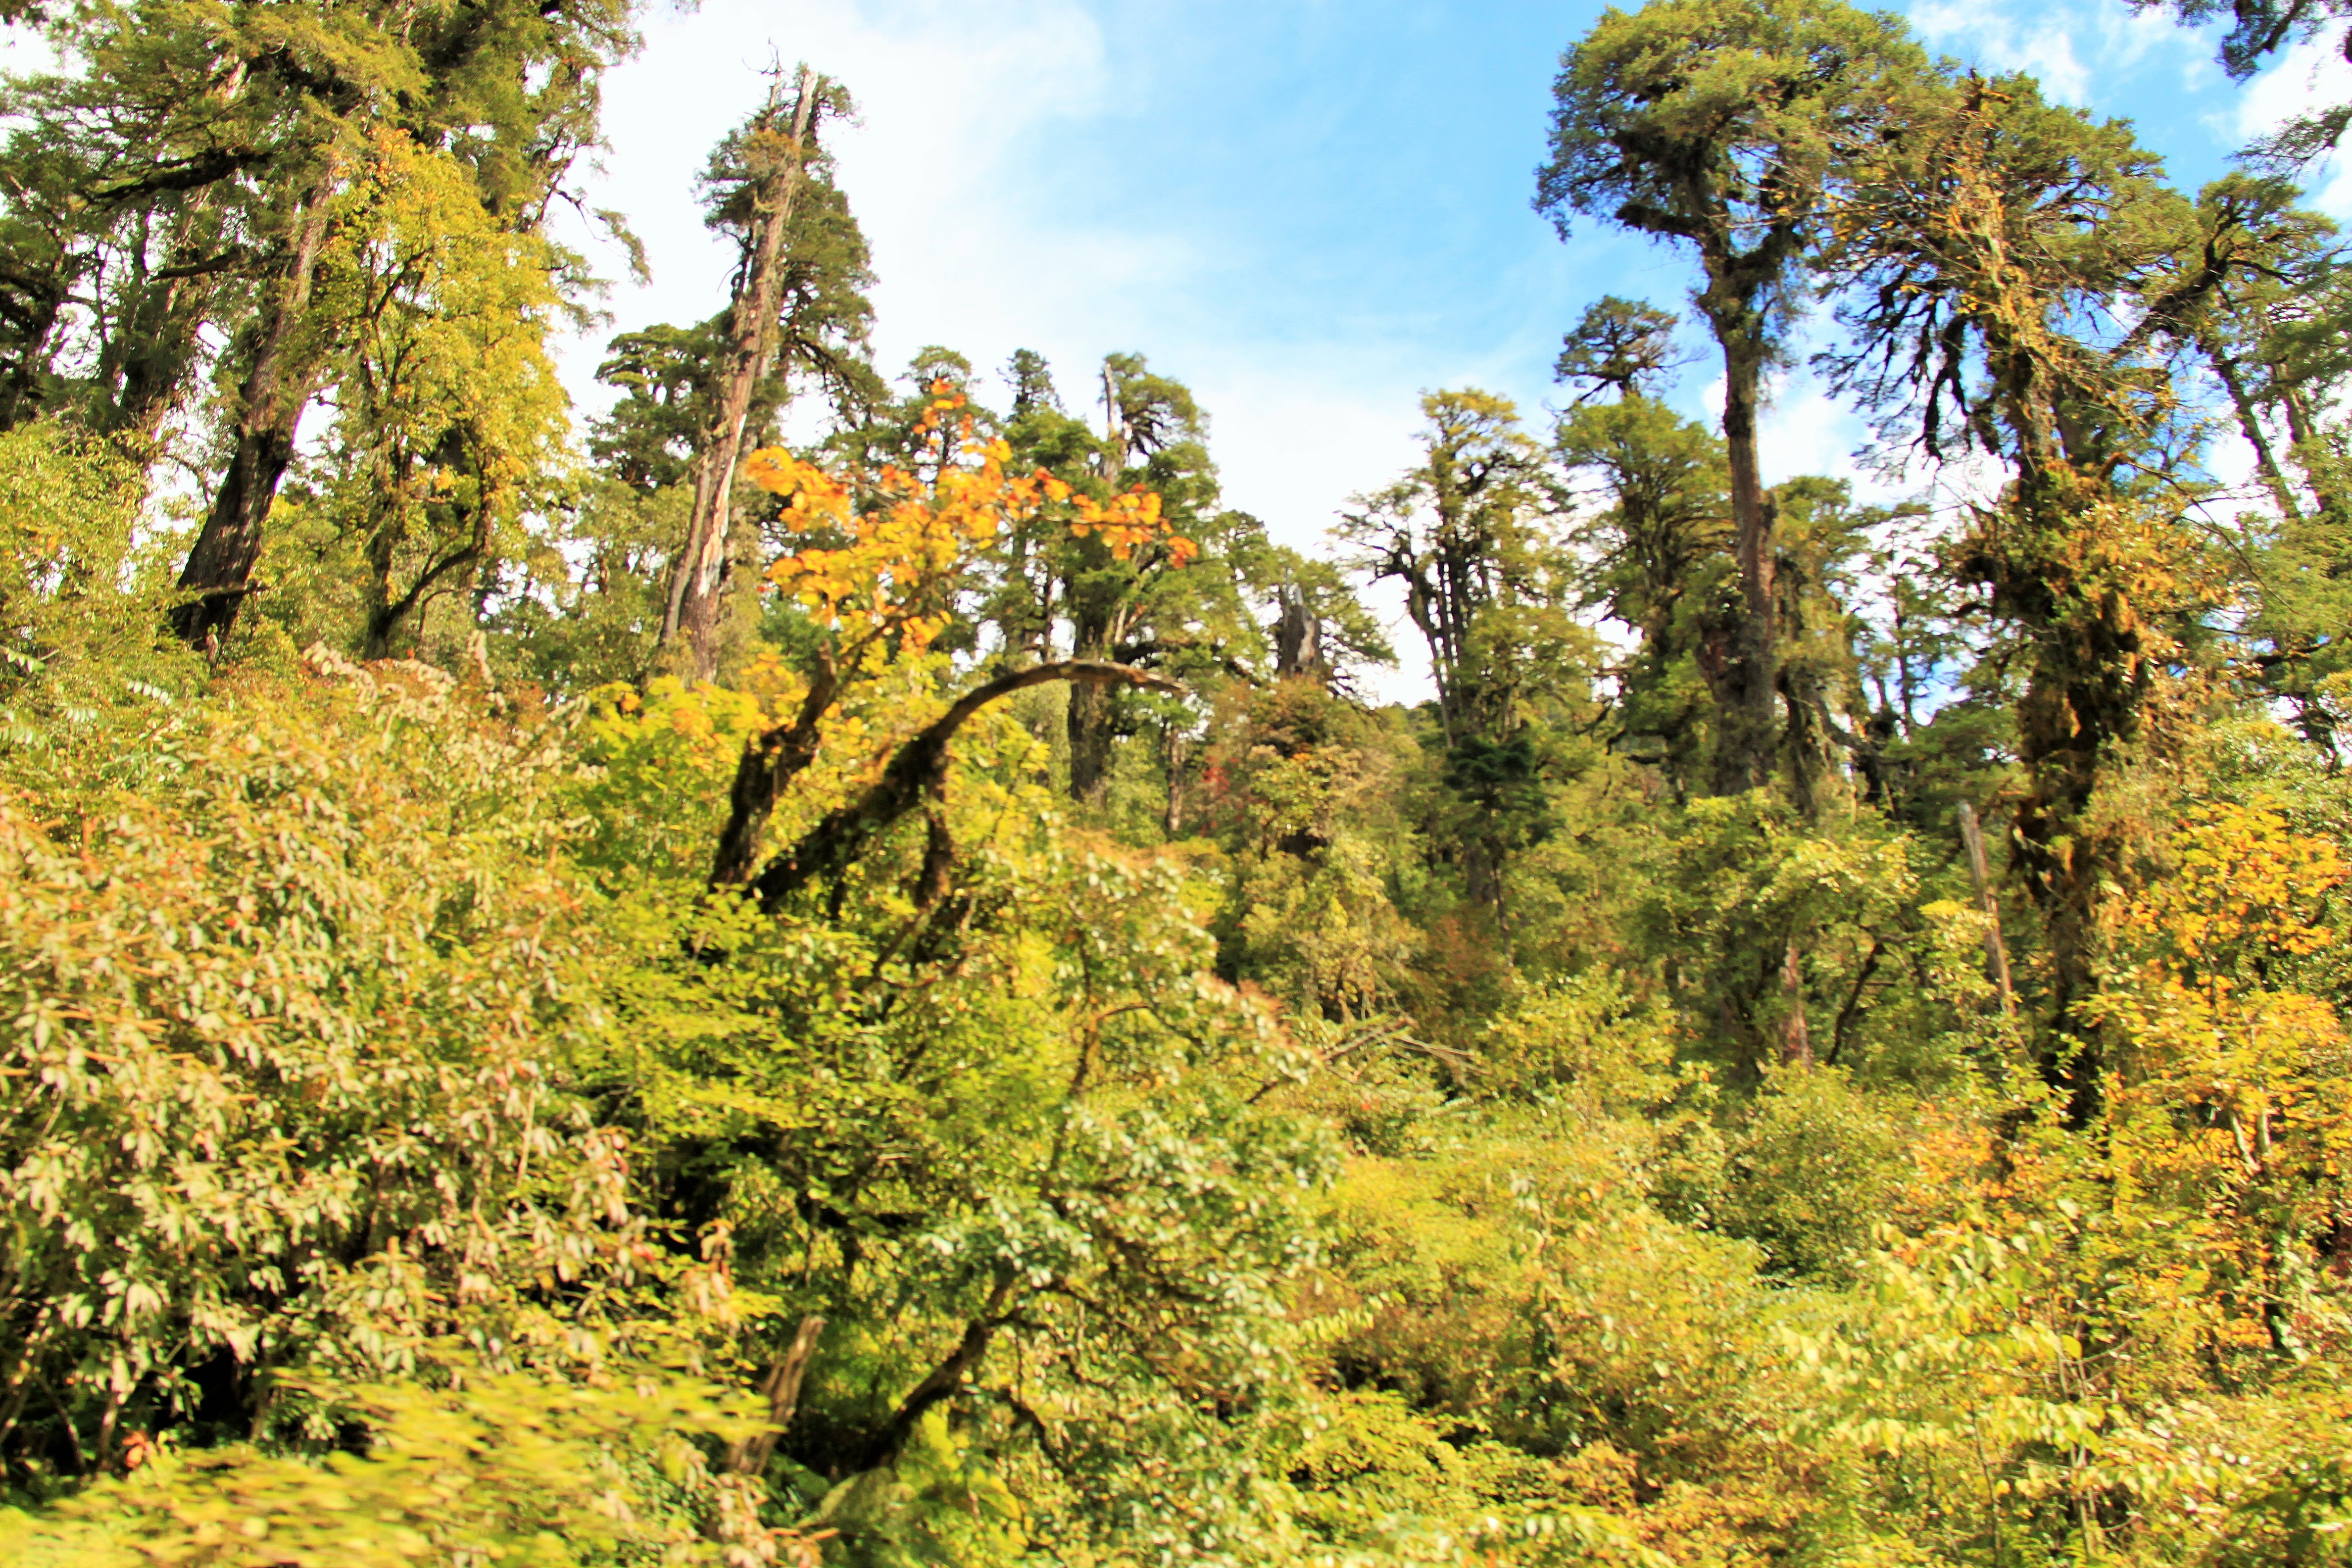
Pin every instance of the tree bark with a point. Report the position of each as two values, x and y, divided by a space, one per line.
2302 430
1795 1038
277 386
1298 639
156 353
1980 878
781 1389
943 1381
1744 754
769 761
1093 628
1114 452
697 583
2249 426
1172 756
1097 622
1091 737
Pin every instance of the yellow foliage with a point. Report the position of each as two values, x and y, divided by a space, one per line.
2240 875
2228 1091
2206 1031
497 1467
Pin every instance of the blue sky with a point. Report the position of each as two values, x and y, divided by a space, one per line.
1309 211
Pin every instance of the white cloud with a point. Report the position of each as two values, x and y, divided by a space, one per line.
2041 42
2127 34
946 95
1804 430
956 103
2088 53
2310 75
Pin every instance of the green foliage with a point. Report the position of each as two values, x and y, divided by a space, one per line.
281 1061
1592 1039
487 1467
82 660
913 1101
1814 1167
1657 559
450 425
1303 792
1038 1129
939 1504
1751 887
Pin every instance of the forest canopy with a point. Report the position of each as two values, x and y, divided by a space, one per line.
837 965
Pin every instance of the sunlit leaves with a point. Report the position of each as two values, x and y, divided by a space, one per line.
281 1064
905 543
494 1466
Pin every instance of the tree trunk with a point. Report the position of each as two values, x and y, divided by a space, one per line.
156 353
916 771
154 348
1905 686
1114 452
1981 879
697 584
24 375
2302 430
382 549
1172 754
147 359
386 615
1744 752
1090 738
770 760
1796 1039
1482 878
1298 639
277 384
2249 426
943 1381
1088 722
1093 628
2094 656
781 1389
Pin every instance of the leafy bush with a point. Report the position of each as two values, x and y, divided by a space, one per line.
281 1072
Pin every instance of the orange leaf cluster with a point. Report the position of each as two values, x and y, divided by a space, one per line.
1131 518
910 544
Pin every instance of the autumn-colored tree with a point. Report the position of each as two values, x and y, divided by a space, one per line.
797 308
887 559
448 413
188 167
575 1106
2227 1079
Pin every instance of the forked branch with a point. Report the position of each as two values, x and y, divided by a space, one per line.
914 773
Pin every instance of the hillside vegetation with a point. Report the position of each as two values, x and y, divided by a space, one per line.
647 993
